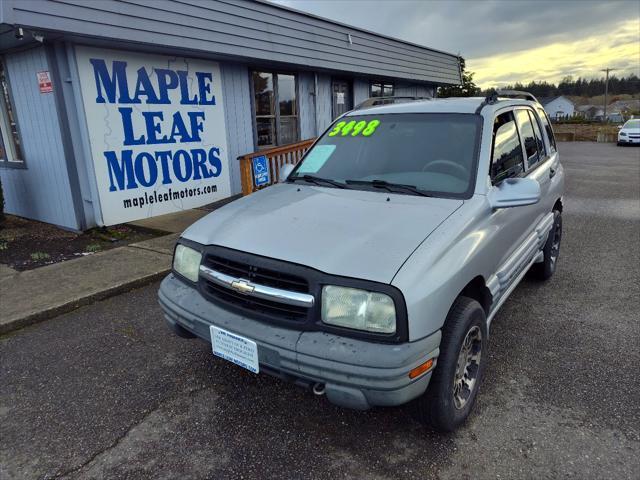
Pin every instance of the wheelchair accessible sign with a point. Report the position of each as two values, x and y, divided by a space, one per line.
261 171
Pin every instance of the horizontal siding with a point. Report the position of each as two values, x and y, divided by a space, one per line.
238 117
241 28
41 191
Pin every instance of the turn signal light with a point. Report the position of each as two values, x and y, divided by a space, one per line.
420 369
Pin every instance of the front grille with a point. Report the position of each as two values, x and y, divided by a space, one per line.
258 275
262 276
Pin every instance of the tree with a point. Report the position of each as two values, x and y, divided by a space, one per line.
467 89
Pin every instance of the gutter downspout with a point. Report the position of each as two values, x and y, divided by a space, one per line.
315 101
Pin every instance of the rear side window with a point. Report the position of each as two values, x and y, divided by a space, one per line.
538 133
547 127
506 160
528 137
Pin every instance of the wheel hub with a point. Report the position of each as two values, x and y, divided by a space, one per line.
467 367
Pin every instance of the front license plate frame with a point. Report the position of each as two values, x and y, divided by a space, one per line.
235 348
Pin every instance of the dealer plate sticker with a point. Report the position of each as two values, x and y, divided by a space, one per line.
234 348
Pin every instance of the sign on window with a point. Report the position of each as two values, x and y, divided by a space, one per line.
44 82
157 132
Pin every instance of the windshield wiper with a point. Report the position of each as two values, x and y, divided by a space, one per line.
318 180
391 187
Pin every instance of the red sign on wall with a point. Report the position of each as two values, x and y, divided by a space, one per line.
44 82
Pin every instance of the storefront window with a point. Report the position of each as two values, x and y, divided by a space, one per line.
379 89
10 144
276 108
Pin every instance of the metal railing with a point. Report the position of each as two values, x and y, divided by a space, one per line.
277 157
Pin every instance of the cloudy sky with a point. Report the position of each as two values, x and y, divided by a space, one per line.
509 40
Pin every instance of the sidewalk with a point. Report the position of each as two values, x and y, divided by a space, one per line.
34 295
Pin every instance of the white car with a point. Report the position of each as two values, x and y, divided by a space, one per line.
629 134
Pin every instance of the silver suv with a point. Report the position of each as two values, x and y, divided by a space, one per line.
372 274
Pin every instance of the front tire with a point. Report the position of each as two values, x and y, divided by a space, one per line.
545 269
454 385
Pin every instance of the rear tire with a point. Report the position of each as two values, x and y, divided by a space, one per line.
454 384
551 251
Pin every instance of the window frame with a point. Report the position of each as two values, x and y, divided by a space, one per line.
382 84
544 155
520 142
5 127
553 148
541 159
276 106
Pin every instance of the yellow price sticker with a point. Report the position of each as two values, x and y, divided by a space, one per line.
353 128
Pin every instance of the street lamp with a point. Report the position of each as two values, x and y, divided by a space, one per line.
606 89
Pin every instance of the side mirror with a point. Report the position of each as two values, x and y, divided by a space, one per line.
514 192
285 171
619 127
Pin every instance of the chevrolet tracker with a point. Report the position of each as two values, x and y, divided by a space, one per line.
372 273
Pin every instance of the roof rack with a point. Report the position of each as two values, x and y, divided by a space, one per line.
495 95
376 101
516 94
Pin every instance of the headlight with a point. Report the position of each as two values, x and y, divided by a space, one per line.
186 261
359 309
623 134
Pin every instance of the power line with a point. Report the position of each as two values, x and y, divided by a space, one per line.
606 89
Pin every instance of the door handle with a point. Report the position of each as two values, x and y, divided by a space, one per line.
552 172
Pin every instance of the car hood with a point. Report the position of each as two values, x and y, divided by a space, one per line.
632 130
352 233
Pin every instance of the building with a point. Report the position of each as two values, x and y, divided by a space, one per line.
558 107
115 110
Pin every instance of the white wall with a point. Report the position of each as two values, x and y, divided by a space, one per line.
560 106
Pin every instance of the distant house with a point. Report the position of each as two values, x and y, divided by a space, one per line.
558 107
625 107
590 112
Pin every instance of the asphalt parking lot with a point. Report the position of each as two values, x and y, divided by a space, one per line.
108 392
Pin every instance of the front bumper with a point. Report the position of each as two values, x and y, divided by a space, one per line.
356 374
629 140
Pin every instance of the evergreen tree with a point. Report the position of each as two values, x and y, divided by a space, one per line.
467 89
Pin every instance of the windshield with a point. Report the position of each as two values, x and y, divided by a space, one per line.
632 124
433 152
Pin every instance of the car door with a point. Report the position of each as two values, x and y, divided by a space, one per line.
538 164
514 228
552 160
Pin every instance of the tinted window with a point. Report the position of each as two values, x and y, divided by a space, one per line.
433 152
547 127
538 133
506 160
379 89
528 137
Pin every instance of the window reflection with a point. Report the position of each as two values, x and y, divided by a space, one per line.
276 109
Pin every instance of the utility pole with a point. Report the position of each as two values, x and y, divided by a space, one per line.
606 90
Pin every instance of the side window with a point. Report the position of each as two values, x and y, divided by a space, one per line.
536 129
10 141
547 127
506 160
528 137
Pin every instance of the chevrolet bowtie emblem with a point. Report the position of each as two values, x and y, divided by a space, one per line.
242 286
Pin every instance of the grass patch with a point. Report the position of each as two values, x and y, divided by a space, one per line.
94 247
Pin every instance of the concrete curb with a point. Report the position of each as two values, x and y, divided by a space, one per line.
33 296
54 311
